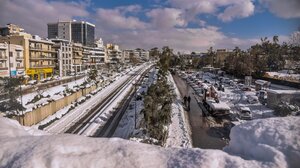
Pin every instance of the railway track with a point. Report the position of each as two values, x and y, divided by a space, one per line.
81 125
110 126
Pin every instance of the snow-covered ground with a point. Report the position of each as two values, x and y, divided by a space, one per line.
126 127
285 75
65 122
272 142
179 130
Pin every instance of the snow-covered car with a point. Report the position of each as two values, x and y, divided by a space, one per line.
245 113
252 99
32 82
246 88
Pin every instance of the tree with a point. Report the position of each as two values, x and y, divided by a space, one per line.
12 105
164 61
211 56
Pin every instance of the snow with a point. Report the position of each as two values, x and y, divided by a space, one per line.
272 142
74 115
179 131
218 106
126 127
284 91
284 75
267 140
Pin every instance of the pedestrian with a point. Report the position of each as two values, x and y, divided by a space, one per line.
185 99
189 101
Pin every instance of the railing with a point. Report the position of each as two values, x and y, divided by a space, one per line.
42 58
3 57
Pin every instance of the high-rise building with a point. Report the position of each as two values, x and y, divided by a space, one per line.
74 31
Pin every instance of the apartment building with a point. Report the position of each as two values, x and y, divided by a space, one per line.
42 58
64 56
114 54
11 60
77 51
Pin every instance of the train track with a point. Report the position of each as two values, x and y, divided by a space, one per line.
111 125
83 123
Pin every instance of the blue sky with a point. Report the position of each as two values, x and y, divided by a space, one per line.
185 25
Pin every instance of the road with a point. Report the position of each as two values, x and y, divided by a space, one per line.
203 136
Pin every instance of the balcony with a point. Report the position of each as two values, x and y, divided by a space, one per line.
42 58
42 66
3 58
42 50
19 58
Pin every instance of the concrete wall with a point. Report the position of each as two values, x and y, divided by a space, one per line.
39 114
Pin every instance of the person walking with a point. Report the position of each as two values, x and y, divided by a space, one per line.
189 101
184 100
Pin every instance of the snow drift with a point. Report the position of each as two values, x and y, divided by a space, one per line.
260 143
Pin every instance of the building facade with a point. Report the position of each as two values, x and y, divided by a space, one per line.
114 54
42 58
11 60
64 56
73 31
77 50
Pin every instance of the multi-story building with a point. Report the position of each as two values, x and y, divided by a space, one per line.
64 56
11 60
74 31
137 54
42 58
128 55
77 50
10 29
114 54
39 57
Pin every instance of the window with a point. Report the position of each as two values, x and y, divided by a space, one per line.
11 64
18 54
10 54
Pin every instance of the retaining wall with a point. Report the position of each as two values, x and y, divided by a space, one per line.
37 115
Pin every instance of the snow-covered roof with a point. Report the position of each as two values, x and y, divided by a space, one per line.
261 82
283 91
218 106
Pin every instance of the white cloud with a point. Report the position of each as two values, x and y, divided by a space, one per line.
116 19
166 18
233 8
283 8
241 9
33 15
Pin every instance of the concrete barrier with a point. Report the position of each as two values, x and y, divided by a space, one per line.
37 115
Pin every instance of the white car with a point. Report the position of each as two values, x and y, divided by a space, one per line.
252 99
32 82
245 113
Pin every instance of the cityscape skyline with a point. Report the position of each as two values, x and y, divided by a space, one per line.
184 26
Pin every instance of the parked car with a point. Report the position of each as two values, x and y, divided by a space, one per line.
252 99
245 113
246 88
32 82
